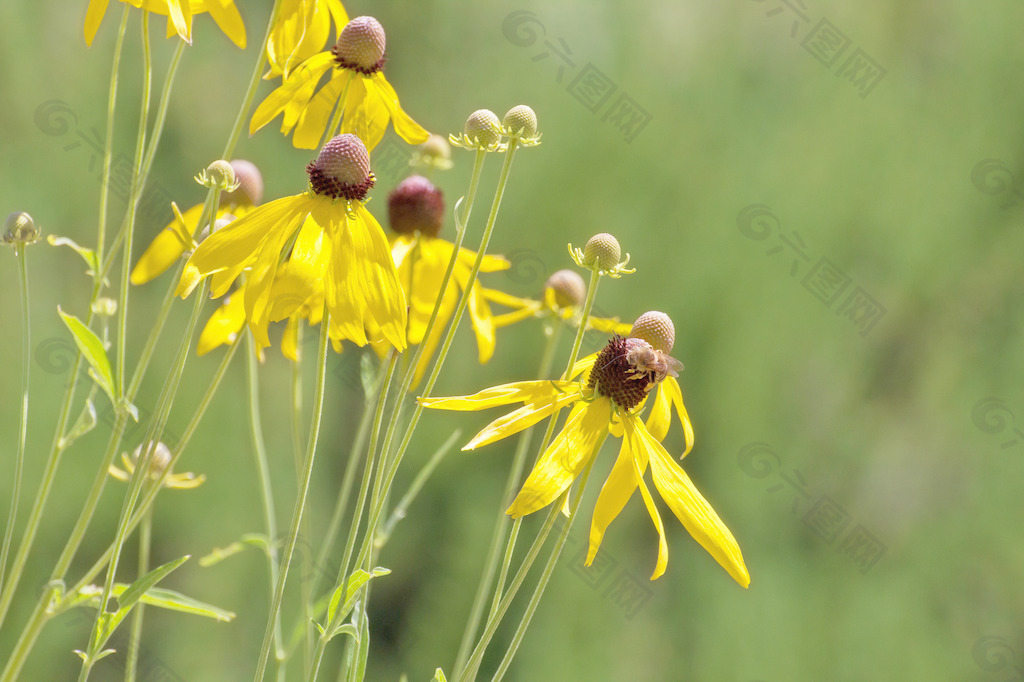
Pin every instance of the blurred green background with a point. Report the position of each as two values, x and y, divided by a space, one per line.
827 200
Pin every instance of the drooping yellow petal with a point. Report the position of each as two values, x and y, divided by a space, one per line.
637 450
609 325
226 15
232 248
259 285
407 129
292 95
223 326
692 510
290 339
584 431
93 16
386 302
522 418
505 394
315 117
669 395
612 499
301 277
166 247
365 114
180 14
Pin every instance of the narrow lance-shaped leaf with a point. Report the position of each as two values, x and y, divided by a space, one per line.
92 348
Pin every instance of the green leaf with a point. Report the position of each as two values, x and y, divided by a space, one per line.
92 348
175 601
439 676
130 596
88 255
349 591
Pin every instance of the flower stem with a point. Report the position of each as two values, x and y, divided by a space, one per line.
250 91
300 502
108 142
263 473
135 637
552 333
595 278
19 462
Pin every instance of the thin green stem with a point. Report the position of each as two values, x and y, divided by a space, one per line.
492 625
136 192
588 305
250 91
357 513
263 474
545 576
135 637
300 502
108 142
19 462
552 332
41 614
394 462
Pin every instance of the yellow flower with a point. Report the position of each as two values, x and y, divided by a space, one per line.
564 293
176 239
301 30
342 249
179 15
416 213
610 400
357 85
158 463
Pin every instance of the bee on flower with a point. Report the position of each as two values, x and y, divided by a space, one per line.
357 93
337 250
179 15
617 383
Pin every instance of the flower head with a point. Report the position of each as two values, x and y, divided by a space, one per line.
159 461
176 239
356 87
609 400
20 230
481 131
520 124
416 214
335 243
179 15
602 253
434 153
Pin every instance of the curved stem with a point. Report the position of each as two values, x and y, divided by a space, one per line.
552 334
300 502
135 637
19 462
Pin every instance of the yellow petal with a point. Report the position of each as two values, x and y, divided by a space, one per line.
669 395
233 247
223 326
365 114
226 15
609 326
259 285
522 418
93 16
315 117
690 507
510 301
180 14
293 94
562 462
290 339
614 495
505 394
408 129
637 447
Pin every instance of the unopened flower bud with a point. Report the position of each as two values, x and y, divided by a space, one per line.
603 251
483 127
434 153
568 287
342 169
656 329
416 205
520 121
19 229
220 175
158 462
250 184
361 46
105 306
